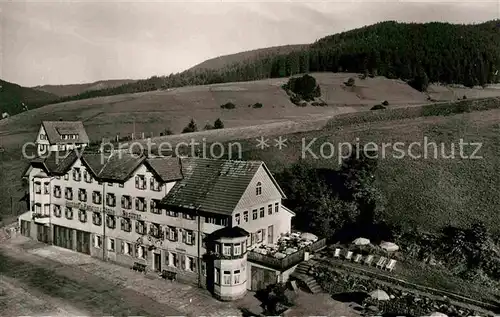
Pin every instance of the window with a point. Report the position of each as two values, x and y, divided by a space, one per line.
111 244
254 214
87 176
38 188
236 277
126 202
140 227
237 219
68 193
155 230
96 218
276 207
98 241
227 278
66 177
203 268
244 247
111 200
245 216
140 182
82 216
57 191
127 248
172 213
69 213
140 204
155 185
42 136
259 236
226 250
237 249
121 185
58 177
258 189
99 183
82 195
142 252
46 210
96 198
38 208
126 224
110 184
217 248
111 221
77 176
57 211
173 259
187 236
217 276
172 233
46 189
153 206
262 212
190 266
188 216
270 209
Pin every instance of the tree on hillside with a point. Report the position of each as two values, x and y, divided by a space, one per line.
305 86
218 124
191 127
358 175
208 126
420 82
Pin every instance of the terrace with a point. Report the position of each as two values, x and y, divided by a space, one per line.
290 250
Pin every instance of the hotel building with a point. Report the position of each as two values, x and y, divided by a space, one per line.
196 218
60 136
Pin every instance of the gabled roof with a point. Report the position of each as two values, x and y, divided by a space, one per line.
54 130
167 169
213 186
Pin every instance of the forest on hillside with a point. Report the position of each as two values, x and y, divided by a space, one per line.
442 52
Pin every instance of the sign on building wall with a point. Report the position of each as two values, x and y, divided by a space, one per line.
109 211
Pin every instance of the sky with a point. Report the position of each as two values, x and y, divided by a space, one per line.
69 42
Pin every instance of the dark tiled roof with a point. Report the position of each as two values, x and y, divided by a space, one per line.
166 168
229 232
56 163
119 166
213 186
54 129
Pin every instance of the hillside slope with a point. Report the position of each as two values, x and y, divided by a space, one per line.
246 57
14 98
446 53
71 90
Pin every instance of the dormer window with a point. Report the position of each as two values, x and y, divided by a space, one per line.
258 189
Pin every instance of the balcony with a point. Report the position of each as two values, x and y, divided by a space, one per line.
283 261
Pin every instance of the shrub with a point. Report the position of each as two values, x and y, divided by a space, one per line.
420 82
208 126
257 105
385 103
377 107
350 82
218 124
191 127
305 87
228 105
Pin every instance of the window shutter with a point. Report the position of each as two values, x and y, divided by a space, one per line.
194 264
193 237
137 181
264 238
151 183
137 204
183 261
253 238
123 202
176 234
137 227
183 236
